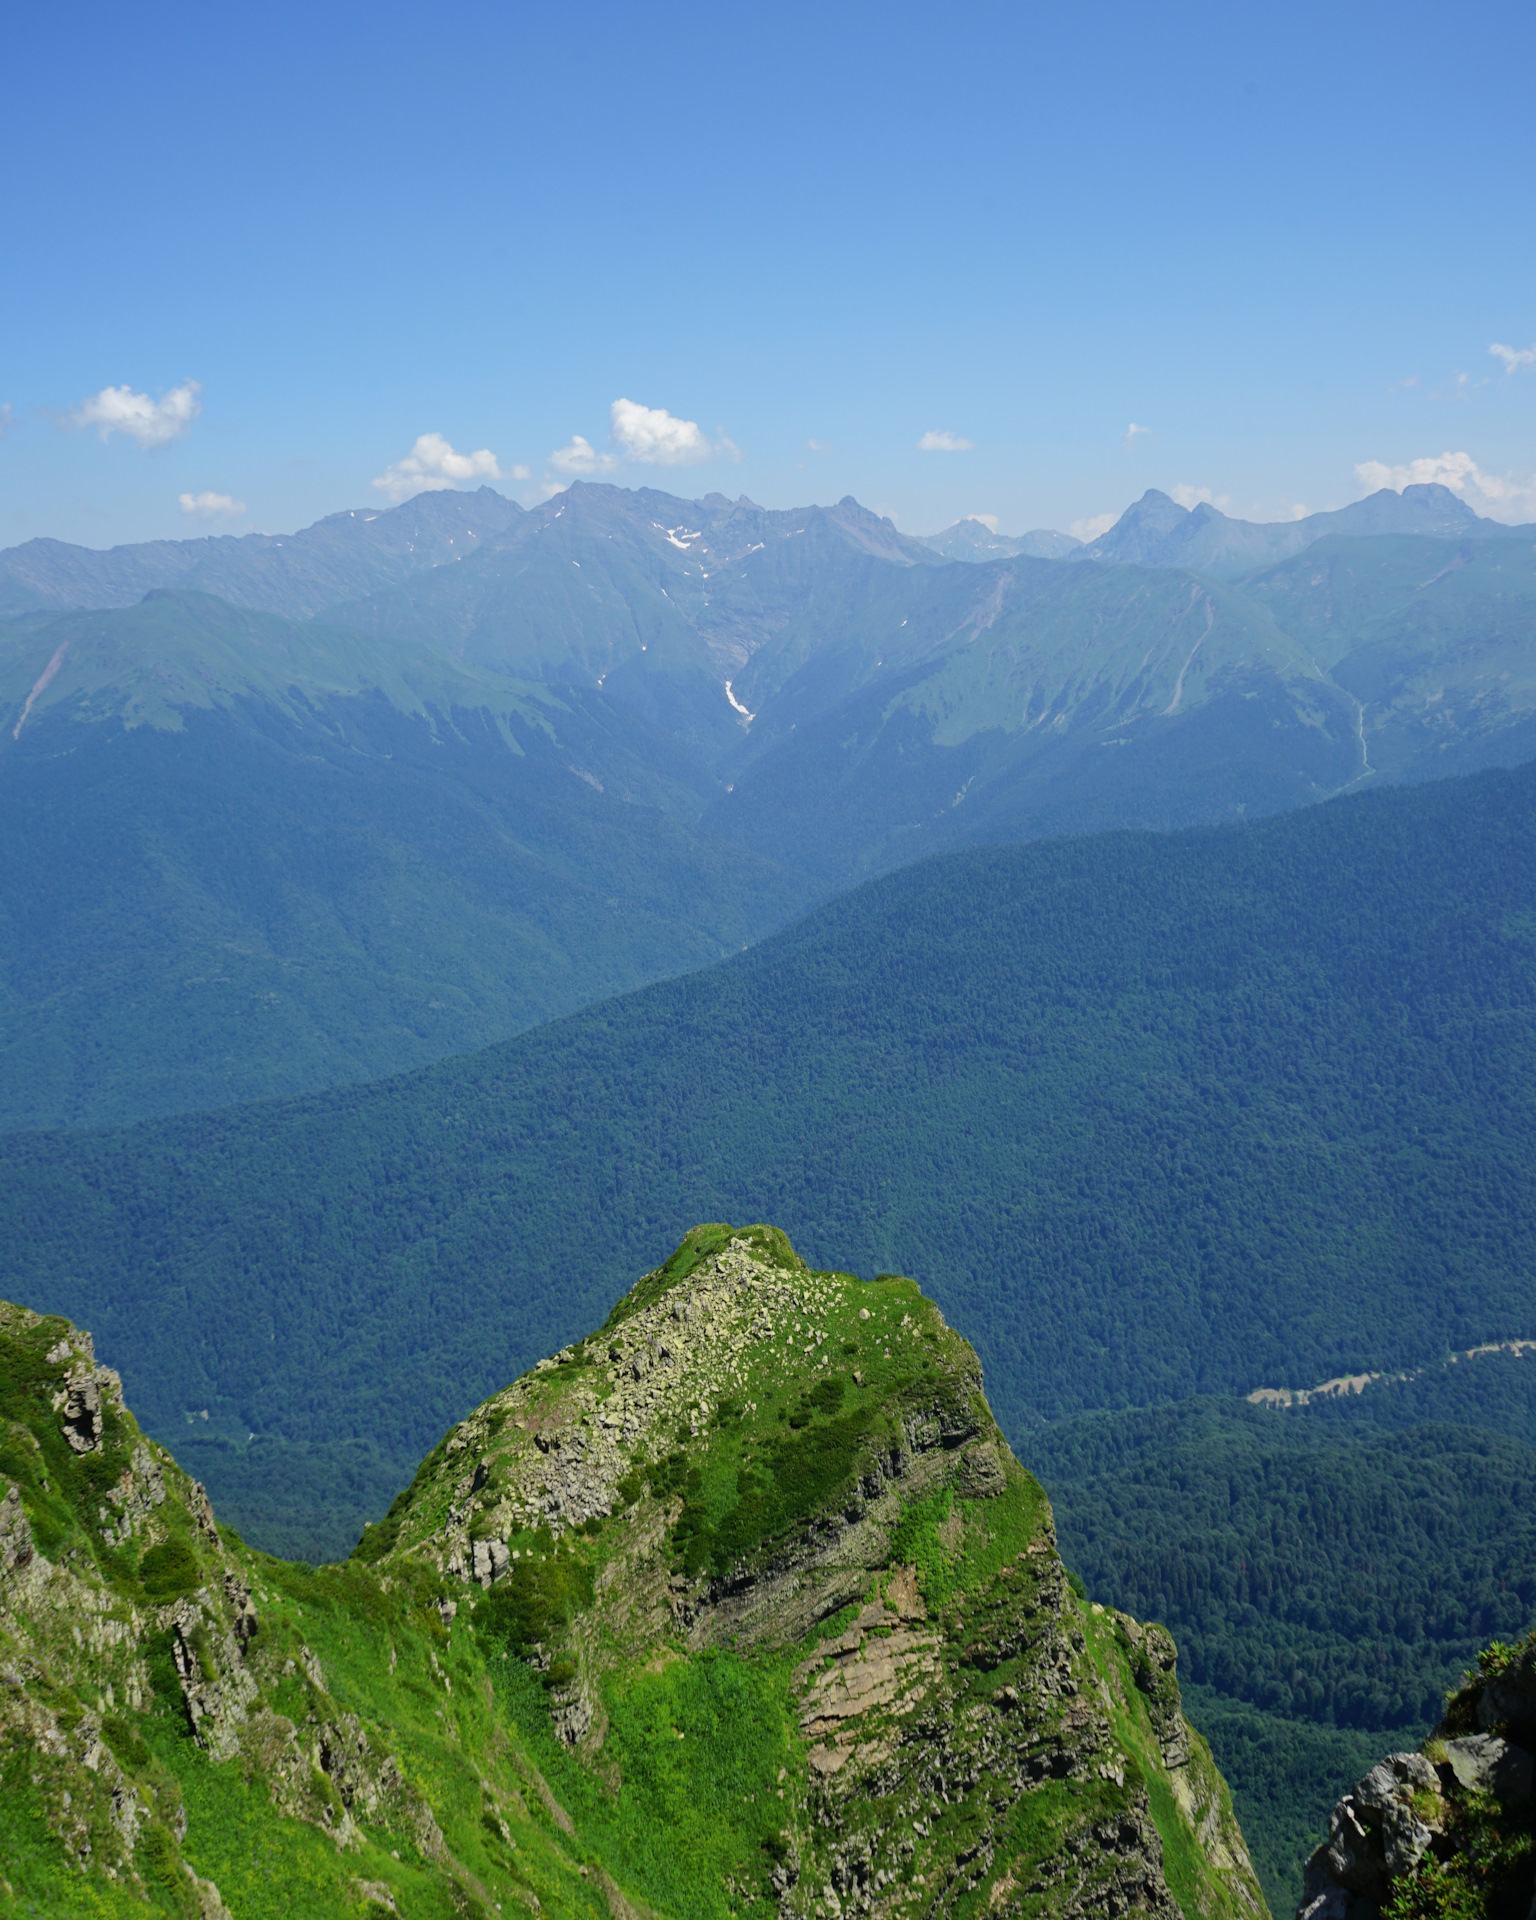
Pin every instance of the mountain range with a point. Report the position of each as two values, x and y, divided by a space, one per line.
1158 532
1167 1120
977 540
481 765
296 574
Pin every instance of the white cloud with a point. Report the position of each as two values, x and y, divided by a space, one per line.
1514 357
657 438
1090 529
580 458
151 422
987 520
1462 384
1496 496
432 466
209 506
648 436
818 446
940 440
1133 431
7 419
1188 496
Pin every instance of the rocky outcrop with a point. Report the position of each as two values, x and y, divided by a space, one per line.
944 1680
754 1561
1458 1809
89 1651
16 1548
85 1392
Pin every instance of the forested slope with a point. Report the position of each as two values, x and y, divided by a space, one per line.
1329 1570
248 856
1153 1116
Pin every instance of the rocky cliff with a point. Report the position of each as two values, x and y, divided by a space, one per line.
741 1606
1444 1833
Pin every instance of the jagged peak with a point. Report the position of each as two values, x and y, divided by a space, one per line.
715 1359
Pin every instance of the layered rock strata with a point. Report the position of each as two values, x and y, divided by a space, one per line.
741 1606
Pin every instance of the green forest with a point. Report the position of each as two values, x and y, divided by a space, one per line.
248 857
1329 1571
1345 1579
1154 1119
1151 1116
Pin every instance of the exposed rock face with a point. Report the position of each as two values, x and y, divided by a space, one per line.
752 1569
1483 1763
15 1534
942 1681
1459 1808
84 1391
78 1642
1375 1833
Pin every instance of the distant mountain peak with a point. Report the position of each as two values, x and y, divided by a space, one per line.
975 540
1138 536
1156 531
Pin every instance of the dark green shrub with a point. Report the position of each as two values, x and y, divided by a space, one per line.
161 1661
169 1570
827 1395
127 1748
156 1857
534 1601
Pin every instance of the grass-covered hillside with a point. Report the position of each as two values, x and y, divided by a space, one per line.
739 1606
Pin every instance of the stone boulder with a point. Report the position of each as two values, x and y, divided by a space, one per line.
1381 1829
1484 1763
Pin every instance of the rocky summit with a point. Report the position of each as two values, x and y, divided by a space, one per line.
741 1606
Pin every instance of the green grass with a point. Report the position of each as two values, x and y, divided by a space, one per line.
685 1792
29 1857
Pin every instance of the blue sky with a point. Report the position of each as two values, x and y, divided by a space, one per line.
798 240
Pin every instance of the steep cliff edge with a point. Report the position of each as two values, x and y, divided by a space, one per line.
1444 1833
742 1606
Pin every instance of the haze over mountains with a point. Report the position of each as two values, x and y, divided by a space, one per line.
296 574
455 768
1162 1120
1158 532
